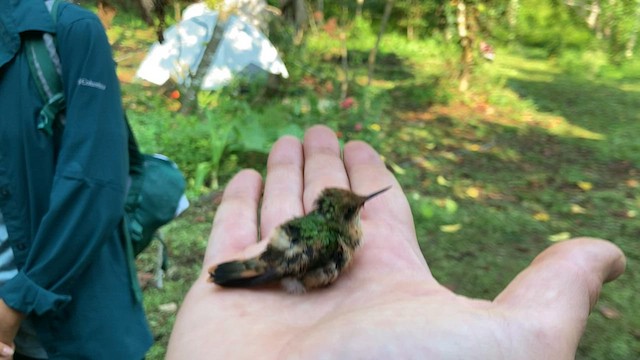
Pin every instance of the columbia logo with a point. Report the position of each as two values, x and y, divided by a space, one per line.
90 83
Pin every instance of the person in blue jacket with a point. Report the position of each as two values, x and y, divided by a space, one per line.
65 287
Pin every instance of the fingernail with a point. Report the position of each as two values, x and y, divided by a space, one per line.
7 351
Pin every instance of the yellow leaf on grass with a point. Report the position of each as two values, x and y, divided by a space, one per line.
442 181
474 147
585 185
375 127
609 312
473 192
577 209
450 228
168 307
541 216
561 236
396 168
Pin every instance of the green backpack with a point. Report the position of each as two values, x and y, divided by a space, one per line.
156 190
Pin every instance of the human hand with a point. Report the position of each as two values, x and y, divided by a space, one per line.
387 304
6 351
10 321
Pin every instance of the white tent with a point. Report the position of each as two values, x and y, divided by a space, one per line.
243 49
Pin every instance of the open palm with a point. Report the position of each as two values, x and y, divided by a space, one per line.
387 304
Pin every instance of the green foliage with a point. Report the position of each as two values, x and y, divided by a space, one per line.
170 134
583 63
627 72
550 25
412 16
491 175
620 20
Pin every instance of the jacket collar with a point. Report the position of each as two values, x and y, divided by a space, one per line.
16 17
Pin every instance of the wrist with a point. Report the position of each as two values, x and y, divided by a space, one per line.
10 320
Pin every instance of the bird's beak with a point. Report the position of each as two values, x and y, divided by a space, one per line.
370 196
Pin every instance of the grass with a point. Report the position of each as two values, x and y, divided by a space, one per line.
535 152
554 159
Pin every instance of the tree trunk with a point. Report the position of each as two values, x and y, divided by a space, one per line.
177 11
344 86
295 11
633 38
190 102
608 21
512 18
466 43
359 4
319 13
374 51
410 33
594 14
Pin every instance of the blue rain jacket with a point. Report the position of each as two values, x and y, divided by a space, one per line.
62 196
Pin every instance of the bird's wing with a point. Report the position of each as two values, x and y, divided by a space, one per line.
300 244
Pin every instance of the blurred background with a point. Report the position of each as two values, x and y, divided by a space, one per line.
510 124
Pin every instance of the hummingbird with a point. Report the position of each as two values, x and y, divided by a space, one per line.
305 252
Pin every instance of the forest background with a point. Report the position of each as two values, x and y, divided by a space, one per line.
510 124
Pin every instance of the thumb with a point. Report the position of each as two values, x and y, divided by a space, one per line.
555 294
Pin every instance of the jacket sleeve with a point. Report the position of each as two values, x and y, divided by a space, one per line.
88 190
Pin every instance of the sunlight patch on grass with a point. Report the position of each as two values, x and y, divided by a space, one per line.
559 126
378 83
630 87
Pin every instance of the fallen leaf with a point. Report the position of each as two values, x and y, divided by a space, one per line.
585 185
561 236
442 181
577 209
144 279
474 147
450 228
375 127
609 312
541 216
473 192
168 307
633 183
396 168
423 163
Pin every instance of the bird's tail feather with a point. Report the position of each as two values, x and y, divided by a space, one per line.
242 273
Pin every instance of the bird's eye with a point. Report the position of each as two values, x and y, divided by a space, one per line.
350 213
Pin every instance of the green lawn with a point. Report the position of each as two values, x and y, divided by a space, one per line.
534 153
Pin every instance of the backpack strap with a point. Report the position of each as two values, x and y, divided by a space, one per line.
44 63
